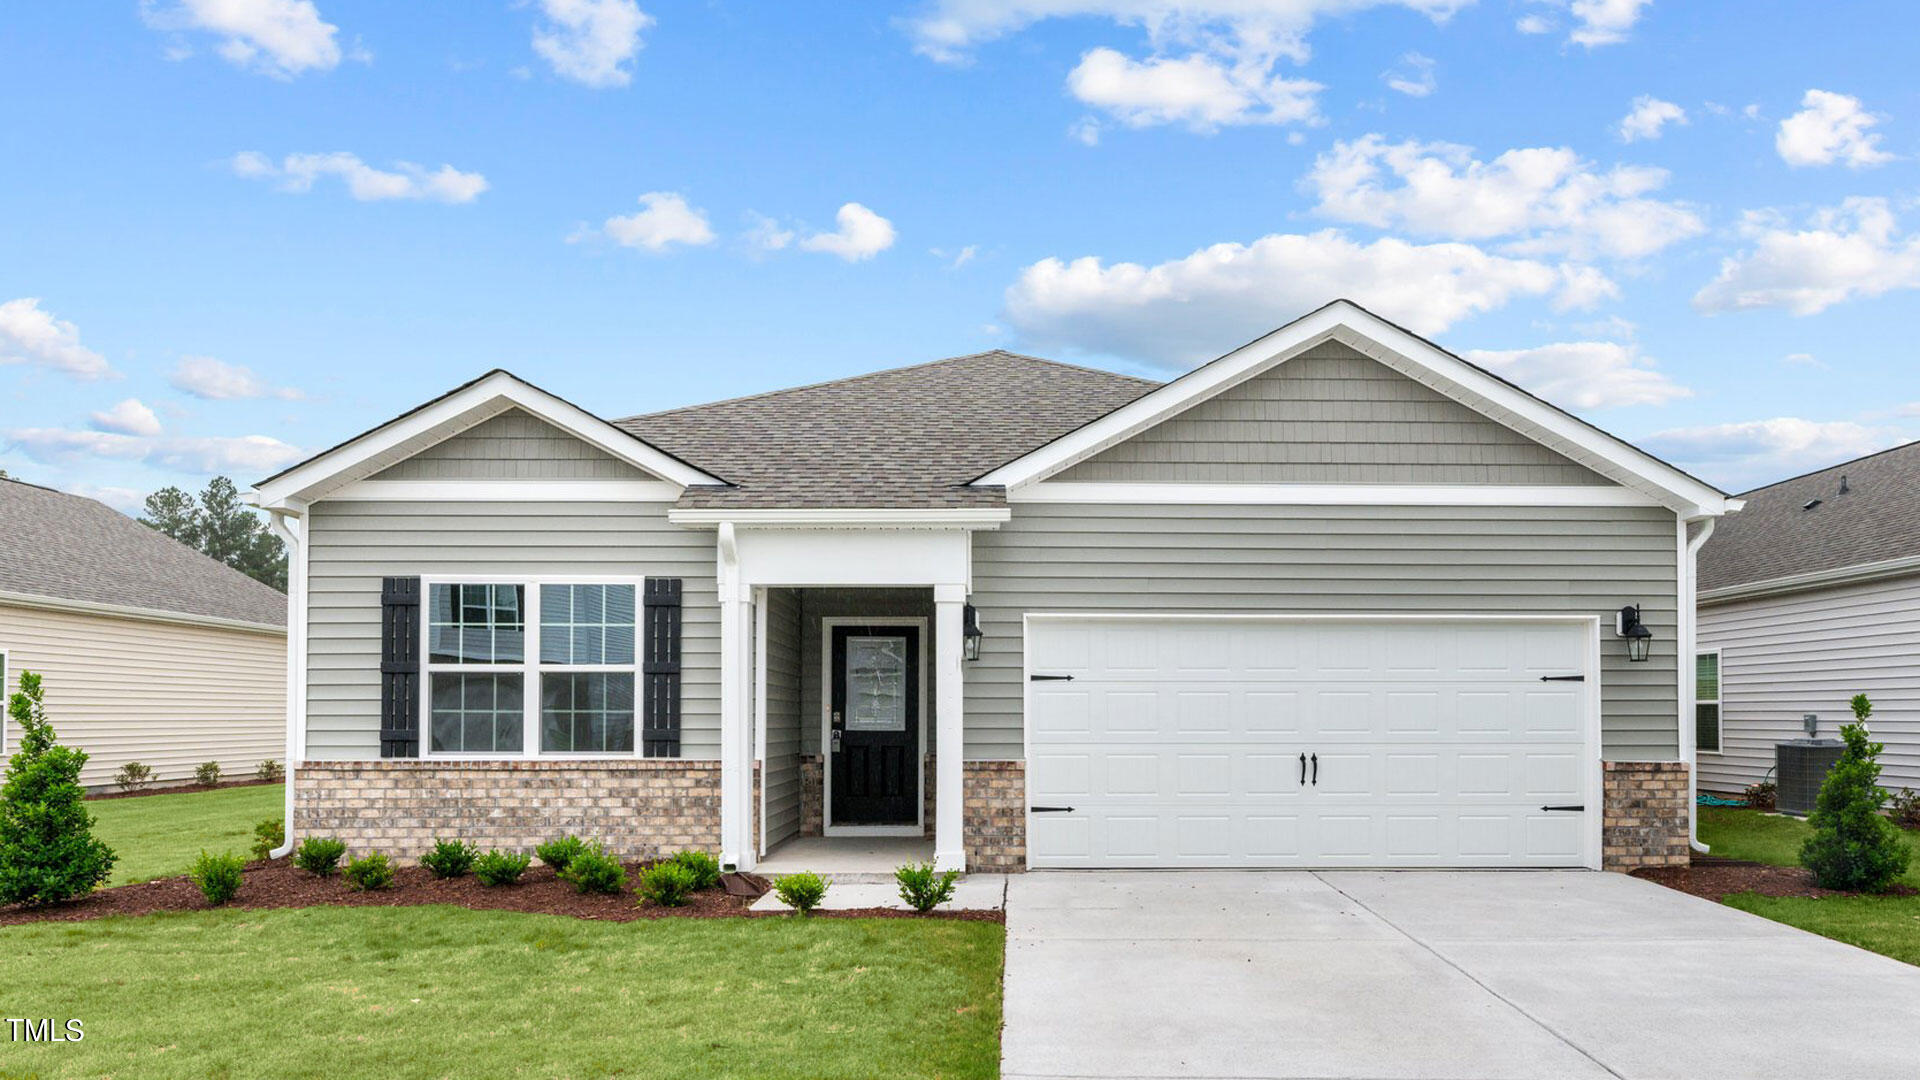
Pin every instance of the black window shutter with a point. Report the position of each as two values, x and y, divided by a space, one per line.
660 669
400 667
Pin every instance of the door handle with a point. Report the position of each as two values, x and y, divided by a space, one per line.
1316 768
1303 768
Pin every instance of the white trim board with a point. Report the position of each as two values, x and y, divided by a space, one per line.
1053 491
507 491
124 611
827 827
985 517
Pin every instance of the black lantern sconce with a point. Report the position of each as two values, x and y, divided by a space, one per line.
1627 624
970 634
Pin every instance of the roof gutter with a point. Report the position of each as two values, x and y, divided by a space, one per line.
1813 579
983 517
127 611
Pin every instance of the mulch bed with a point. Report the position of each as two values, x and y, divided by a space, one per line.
178 789
280 884
1716 879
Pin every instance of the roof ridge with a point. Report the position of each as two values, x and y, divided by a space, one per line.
43 487
1840 465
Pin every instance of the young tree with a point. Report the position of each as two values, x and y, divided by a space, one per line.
222 527
47 849
173 512
1853 847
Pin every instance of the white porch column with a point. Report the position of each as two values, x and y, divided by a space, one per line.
736 712
949 825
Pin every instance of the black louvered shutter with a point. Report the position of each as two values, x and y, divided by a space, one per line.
400 667
660 669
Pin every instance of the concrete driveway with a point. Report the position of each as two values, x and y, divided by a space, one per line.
1433 975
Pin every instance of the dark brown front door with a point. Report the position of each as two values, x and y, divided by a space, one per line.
875 725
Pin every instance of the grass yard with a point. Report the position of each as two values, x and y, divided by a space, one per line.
160 835
1889 925
440 991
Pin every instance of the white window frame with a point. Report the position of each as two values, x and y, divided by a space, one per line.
1719 702
530 669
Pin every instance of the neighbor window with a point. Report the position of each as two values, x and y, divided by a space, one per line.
1706 701
542 665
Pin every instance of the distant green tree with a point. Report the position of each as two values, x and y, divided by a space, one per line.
47 849
221 527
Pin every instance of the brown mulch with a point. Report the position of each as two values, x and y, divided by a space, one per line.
178 789
280 884
1715 879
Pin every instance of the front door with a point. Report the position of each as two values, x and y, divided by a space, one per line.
874 725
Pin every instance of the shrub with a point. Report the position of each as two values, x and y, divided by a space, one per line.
369 872
218 876
501 867
207 773
592 870
1852 846
802 892
1763 795
48 852
319 855
270 771
922 889
668 883
450 858
558 853
268 833
704 867
133 776
1903 808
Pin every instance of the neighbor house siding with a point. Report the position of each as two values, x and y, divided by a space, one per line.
516 445
1217 559
355 544
1809 652
784 716
165 694
1330 416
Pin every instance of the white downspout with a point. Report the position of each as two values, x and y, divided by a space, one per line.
1689 726
277 521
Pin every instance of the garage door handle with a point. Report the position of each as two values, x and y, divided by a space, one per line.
1567 809
1316 769
1049 678
1303 768
1049 809
1563 678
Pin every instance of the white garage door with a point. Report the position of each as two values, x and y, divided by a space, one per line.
1303 742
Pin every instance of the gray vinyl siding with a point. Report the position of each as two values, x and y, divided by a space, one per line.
1223 559
354 544
781 772
877 604
1330 416
516 445
1809 652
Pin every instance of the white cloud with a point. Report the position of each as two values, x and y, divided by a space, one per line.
1744 455
281 38
1648 116
1604 22
1085 131
1414 76
201 455
1540 200
664 220
1533 24
1202 92
214 380
298 172
1830 127
29 334
766 234
862 234
126 500
1583 374
130 417
591 41
1802 359
1846 252
1189 309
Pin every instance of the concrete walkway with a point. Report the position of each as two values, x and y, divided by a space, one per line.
1433 976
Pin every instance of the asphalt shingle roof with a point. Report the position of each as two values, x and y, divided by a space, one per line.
1876 517
71 548
909 438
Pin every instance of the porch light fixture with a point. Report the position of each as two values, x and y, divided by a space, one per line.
1627 624
970 634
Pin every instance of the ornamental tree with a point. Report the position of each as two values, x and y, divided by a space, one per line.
1853 847
47 849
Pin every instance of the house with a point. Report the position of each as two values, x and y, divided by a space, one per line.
1807 597
1338 598
148 650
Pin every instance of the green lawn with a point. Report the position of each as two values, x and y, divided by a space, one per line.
1889 925
159 835
441 991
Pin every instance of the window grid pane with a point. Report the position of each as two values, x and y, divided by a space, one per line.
586 624
476 624
1706 726
586 713
476 713
1706 677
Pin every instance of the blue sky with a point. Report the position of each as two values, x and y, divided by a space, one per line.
233 231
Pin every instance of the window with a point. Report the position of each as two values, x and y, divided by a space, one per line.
502 683
1706 701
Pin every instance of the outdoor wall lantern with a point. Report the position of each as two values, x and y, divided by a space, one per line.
1627 624
970 634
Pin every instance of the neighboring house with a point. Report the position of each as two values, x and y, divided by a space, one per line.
149 651
1809 596
1338 598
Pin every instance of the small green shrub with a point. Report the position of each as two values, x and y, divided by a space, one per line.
270 771
558 853
922 889
704 867
207 773
501 867
668 883
48 852
369 872
1903 808
1763 795
133 776
319 855
1852 846
268 833
592 870
802 892
450 858
218 876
